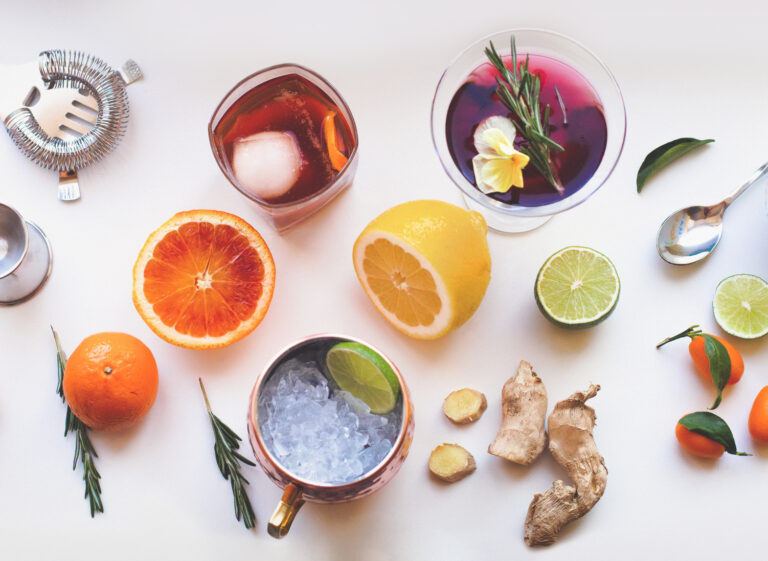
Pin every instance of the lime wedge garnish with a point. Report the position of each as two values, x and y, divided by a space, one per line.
741 306
577 287
362 372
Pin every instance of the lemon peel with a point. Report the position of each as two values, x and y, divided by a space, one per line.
498 166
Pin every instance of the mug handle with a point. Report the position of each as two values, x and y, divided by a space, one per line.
285 512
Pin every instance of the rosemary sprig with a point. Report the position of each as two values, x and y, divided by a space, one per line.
519 90
227 458
84 449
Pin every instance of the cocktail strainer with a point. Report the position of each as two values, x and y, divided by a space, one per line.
66 110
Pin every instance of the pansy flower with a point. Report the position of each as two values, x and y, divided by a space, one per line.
498 166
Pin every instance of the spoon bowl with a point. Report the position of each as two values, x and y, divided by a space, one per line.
691 234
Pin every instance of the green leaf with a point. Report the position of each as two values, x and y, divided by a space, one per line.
665 155
712 427
719 365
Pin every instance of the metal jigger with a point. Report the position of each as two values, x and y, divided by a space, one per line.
25 257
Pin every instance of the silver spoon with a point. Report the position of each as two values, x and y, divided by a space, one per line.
691 234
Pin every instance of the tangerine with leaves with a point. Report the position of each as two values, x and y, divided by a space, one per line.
715 359
698 353
204 279
706 435
697 444
110 381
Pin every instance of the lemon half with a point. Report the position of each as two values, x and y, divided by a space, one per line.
425 265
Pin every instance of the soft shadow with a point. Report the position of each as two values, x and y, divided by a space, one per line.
564 340
117 441
747 347
759 449
695 462
522 235
676 272
499 468
212 361
437 482
515 471
334 518
301 234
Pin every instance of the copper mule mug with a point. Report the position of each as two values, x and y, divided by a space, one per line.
298 490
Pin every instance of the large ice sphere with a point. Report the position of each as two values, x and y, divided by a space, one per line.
267 164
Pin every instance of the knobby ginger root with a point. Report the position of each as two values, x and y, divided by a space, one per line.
521 437
451 462
464 406
571 443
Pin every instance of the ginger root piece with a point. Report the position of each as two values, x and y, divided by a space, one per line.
521 437
571 443
451 462
464 406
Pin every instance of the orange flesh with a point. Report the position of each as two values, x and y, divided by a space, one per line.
204 279
338 159
401 284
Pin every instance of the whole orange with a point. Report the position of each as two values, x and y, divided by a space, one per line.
110 381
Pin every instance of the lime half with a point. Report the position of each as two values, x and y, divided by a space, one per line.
362 372
741 306
577 287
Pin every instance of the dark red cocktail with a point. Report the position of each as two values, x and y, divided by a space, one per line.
285 139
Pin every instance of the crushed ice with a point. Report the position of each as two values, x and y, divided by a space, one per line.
319 432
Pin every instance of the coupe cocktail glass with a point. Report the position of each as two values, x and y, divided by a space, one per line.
549 50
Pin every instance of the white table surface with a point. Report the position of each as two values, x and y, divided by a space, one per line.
686 69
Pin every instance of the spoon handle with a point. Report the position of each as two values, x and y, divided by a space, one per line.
761 171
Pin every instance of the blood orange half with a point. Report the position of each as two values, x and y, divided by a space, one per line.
204 279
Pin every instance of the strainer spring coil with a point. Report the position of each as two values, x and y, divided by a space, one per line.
66 69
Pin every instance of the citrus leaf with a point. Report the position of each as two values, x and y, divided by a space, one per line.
665 155
719 365
712 427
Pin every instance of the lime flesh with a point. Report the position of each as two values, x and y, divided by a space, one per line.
577 287
741 306
362 372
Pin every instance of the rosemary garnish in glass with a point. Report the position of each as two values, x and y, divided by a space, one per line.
228 460
84 450
519 90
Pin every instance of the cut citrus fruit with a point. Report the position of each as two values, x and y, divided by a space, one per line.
425 265
577 287
741 306
338 159
204 279
365 374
